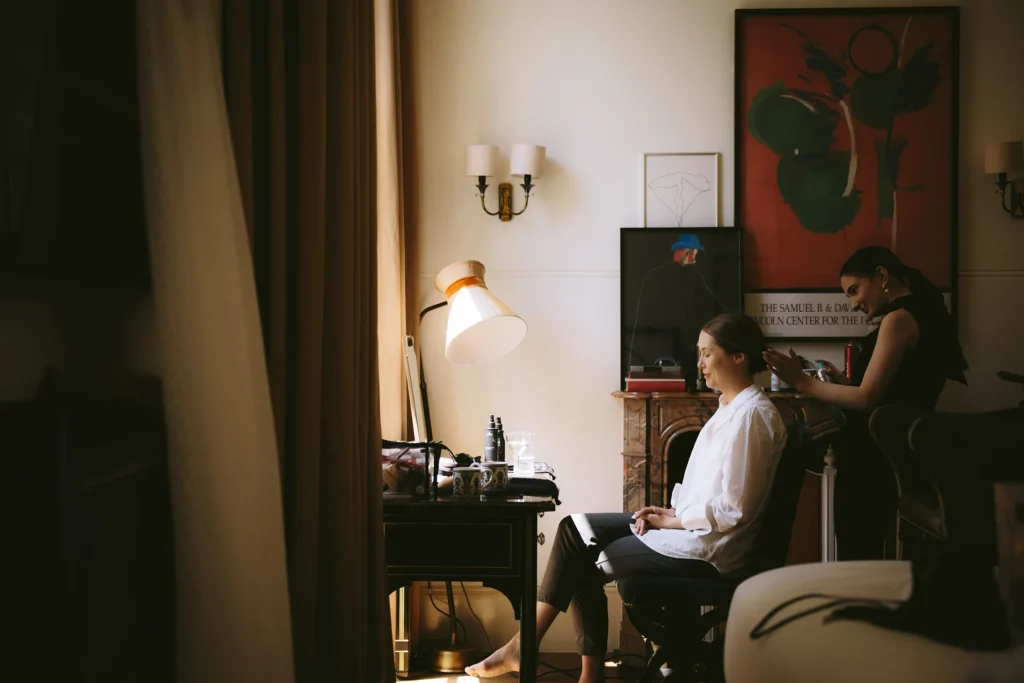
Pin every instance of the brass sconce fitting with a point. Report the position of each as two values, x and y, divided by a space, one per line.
527 162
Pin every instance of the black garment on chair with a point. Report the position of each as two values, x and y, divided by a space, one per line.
865 493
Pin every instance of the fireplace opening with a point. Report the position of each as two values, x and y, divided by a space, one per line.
679 450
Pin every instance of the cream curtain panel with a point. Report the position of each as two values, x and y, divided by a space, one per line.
233 619
391 285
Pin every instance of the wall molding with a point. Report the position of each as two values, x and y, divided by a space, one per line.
991 274
496 272
614 274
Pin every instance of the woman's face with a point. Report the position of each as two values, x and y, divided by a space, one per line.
718 365
866 294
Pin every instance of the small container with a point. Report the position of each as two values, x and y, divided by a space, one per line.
776 383
849 360
491 441
822 373
499 444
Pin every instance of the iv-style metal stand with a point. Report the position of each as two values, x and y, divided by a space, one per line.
828 486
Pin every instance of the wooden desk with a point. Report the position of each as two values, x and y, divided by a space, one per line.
469 539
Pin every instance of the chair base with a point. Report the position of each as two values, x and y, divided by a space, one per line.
679 634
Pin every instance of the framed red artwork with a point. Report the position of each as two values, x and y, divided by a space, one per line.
846 136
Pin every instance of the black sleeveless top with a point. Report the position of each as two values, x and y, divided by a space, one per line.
924 369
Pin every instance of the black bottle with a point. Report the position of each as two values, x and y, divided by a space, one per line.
499 443
490 441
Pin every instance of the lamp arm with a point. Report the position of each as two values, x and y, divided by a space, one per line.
527 186
481 187
423 377
428 309
1016 200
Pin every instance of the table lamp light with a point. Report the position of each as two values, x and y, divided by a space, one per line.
480 329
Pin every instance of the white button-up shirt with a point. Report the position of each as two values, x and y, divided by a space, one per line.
726 485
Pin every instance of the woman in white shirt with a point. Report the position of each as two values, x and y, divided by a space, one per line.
710 528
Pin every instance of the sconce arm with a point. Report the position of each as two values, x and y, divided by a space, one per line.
1016 207
481 187
527 186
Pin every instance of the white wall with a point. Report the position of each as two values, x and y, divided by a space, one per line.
599 83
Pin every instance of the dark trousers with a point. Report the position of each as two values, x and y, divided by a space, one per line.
865 503
591 550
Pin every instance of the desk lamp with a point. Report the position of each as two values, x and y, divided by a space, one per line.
480 329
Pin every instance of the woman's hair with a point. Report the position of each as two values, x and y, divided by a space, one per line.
865 262
739 333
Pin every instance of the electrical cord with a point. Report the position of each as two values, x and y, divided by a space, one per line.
447 615
473 612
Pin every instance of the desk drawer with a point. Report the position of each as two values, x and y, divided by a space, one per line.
485 547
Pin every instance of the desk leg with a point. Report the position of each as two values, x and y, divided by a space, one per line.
528 621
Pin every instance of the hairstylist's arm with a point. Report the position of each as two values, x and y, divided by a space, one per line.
897 334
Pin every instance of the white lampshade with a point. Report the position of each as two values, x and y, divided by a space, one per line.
480 327
528 160
481 160
1004 157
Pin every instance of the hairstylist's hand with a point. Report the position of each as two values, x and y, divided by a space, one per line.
833 371
652 517
787 367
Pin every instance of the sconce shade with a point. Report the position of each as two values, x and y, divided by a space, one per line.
481 160
528 160
1004 157
480 327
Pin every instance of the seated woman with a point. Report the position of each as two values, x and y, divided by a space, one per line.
904 362
710 528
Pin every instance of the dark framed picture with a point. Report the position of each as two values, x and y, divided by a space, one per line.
846 136
672 281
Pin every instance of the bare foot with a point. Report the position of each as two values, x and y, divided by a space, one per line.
502 661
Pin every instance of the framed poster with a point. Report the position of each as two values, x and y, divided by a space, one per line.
672 281
846 136
680 190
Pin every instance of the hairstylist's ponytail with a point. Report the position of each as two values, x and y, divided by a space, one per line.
922 286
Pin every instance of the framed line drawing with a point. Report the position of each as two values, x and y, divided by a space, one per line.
846 136
680 189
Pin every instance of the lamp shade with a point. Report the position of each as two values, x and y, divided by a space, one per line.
1004 157
481 160
527 160
480 327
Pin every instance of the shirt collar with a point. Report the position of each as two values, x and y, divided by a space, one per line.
748 394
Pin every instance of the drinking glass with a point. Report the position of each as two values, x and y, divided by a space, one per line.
523 447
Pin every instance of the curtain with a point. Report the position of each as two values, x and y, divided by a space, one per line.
231 583
300 80
391 285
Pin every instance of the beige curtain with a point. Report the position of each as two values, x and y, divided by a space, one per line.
232 588
301 82
390 224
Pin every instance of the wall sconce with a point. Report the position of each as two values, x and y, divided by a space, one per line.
1002 158
527 163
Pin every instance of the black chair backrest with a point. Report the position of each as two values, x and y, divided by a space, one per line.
772 545
962 455
890 429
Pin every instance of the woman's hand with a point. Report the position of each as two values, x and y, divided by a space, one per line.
652 517
833 371
787 367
